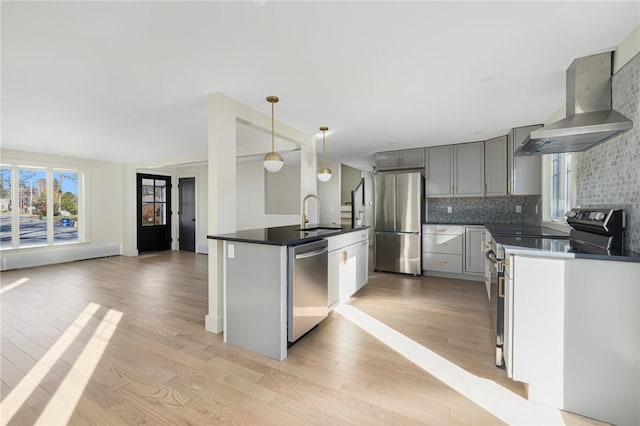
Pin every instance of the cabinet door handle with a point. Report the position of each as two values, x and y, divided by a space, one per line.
509 187
500 286
344 256
485 189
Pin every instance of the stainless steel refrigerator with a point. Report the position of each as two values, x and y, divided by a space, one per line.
398 221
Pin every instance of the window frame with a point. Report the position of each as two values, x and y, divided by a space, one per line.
547 199
49 168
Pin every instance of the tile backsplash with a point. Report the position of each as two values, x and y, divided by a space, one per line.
608 175
485 210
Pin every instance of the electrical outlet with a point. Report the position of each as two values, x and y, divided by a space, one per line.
518 209
449 209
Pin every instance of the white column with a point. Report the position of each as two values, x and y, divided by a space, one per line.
222 197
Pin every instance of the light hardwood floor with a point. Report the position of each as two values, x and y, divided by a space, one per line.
161 366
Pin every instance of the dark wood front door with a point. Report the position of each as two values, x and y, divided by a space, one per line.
187 214
154 212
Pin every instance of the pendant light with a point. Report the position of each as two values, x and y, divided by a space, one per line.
273 161
324 174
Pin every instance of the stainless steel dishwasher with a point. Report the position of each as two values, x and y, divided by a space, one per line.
308 287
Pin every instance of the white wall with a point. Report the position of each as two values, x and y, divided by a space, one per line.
250 204
329 193
103 225
173 167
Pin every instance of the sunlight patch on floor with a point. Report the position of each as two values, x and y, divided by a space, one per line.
502 403
63 403
13 285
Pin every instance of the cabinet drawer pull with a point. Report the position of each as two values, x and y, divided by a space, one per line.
442 262
443 244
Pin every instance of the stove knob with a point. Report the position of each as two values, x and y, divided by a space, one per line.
570 214
600 216
592 215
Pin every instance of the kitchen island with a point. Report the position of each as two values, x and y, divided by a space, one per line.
258 278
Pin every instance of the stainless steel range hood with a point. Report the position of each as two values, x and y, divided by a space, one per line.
589 117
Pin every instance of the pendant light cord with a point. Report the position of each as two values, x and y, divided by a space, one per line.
324 149
273 149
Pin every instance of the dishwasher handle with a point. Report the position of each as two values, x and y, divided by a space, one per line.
312 253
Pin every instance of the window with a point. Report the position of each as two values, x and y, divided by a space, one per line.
32 187
65 206
154 202
5 207
46 204
559 188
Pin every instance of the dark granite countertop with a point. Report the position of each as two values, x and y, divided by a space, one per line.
524 230
541 241
512 229
290 235
557 244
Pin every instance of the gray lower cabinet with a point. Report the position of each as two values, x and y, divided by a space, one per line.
442 248
474 255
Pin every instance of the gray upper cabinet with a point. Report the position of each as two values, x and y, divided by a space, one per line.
495 163
468 169
387 160
456 170
411 158
525 171
405 159
440 171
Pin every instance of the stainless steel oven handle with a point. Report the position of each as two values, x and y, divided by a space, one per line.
491 256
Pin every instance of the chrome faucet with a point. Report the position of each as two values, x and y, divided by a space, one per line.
304 211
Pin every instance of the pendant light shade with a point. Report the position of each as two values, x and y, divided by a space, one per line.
273 161
324 173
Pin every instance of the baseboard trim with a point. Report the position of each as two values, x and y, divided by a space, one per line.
51 255
213 324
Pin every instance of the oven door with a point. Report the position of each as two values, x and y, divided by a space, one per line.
494 274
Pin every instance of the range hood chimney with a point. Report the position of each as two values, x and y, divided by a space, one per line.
589 117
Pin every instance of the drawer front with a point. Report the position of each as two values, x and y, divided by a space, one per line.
347 239
442 262
442 229
442 243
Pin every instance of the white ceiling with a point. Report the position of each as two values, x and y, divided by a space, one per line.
126 81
